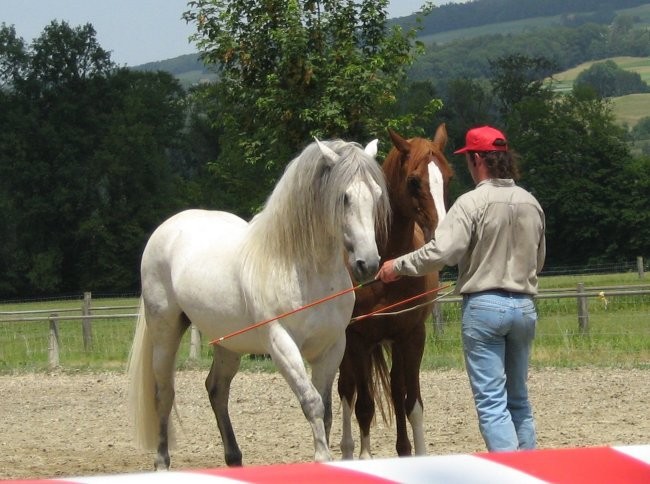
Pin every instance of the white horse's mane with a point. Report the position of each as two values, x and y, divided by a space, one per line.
301 221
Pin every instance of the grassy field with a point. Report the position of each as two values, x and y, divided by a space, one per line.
627 109
618 333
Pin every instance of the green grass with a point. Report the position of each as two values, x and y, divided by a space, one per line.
616 336
631 108
618 333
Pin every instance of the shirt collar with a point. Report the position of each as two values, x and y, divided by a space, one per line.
497 182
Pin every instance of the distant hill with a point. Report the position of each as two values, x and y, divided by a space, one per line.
189 69
461 16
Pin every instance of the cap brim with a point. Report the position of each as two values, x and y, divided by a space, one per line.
464 149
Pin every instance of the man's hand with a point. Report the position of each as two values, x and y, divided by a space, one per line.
387 272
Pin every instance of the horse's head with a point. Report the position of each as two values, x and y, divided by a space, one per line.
418 176
362 203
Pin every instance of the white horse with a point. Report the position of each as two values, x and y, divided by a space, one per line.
214 270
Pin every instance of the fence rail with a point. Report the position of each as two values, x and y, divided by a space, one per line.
87 314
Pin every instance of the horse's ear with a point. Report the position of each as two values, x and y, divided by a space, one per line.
400 143
371 148
329 154
440 138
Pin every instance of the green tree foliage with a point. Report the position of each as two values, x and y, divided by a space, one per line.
517 78
607 79
291 70
575 159
13 57
577 162
84 168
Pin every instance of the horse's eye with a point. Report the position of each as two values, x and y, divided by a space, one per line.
346 200
414 184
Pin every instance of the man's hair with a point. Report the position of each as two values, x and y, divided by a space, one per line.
501 164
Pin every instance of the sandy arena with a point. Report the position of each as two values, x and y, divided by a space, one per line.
76 424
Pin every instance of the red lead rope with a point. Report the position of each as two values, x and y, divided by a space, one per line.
327 298
399 303
293 311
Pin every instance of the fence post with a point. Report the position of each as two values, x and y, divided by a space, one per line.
195 343
86 323
438 322
53 342
583 310
639 266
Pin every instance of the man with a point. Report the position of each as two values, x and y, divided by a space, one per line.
495 234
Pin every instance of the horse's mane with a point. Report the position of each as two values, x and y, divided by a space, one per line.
301 221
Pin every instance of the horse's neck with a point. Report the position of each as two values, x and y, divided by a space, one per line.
400 236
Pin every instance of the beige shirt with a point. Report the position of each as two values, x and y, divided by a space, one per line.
494 233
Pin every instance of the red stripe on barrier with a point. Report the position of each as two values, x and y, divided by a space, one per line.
313 472
576 466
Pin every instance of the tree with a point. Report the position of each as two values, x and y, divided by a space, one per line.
576 162
84 168
13 56
291 70
518 77
607 79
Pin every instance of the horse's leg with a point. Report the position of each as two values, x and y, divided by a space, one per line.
323 373
288 359
347 393
405 390
414 410
364 408
225 364
166 341
398 396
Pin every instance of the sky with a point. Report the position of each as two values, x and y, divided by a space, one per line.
133 31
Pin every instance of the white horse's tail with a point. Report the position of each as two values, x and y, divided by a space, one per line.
142 391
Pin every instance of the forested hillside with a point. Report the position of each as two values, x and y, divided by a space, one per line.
455 16
565 47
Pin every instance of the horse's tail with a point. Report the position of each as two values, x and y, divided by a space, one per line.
380 386
141 391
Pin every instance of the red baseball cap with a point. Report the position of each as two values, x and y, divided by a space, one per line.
484 138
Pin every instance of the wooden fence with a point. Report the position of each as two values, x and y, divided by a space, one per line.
87 314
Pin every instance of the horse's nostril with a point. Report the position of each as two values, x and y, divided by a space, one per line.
364 269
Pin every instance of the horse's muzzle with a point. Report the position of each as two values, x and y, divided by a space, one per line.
364 270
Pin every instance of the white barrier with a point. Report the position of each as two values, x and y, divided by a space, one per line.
611 465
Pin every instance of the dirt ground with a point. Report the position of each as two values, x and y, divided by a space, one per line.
73 425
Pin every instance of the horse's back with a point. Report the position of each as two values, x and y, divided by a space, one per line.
189 234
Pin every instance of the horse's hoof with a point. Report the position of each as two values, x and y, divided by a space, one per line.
161 464
323 457
235 461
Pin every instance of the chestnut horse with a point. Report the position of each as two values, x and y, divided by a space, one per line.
417 175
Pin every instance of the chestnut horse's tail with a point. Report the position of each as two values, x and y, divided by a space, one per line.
380 381
141 390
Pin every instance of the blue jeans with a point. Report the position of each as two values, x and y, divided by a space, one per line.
498 330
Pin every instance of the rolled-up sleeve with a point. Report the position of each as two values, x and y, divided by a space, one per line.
541 248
